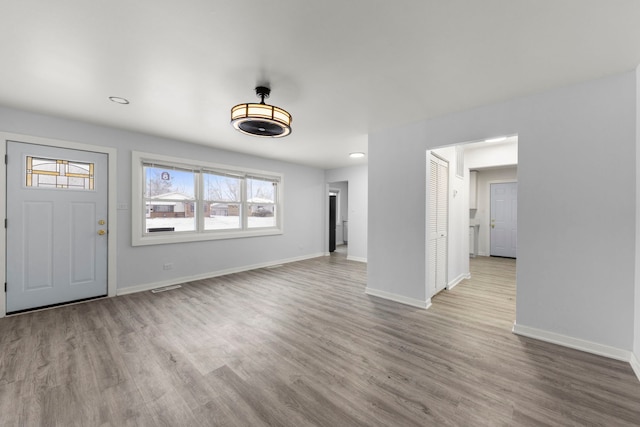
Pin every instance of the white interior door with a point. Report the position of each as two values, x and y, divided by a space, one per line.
438 223
56 225
504 219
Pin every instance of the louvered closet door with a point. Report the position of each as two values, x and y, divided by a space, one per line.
432 226
438 223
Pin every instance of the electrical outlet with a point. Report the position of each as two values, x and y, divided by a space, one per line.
167 266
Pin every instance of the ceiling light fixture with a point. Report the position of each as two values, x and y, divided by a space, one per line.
356 155
498 139
118 100
261 119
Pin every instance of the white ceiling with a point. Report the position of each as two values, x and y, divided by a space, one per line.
342 68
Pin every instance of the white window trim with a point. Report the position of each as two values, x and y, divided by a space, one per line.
139 238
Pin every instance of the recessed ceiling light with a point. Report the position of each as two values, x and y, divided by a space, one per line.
356 155
119 100
498 139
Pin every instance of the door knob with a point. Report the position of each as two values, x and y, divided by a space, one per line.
101 232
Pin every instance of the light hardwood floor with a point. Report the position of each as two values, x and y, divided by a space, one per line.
302 345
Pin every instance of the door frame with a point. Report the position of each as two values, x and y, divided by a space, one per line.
328 189
111 200
336 192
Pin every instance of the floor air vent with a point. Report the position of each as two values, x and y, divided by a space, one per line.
166 288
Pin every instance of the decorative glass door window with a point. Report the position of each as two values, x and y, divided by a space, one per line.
55 173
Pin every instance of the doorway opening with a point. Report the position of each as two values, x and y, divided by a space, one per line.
338 208
474 168
332 221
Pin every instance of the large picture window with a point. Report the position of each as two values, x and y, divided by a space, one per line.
177 200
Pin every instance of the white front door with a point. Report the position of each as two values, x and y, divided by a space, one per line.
438 225
56 225
504 219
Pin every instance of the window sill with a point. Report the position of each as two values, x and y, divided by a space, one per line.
183 237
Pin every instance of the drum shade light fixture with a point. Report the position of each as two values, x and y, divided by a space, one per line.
261 119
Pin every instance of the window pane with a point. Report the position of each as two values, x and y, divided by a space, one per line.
165 215
222 216
221 188
261 215
169 199
261 197
168 183
260 191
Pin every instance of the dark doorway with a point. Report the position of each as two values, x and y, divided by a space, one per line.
332 223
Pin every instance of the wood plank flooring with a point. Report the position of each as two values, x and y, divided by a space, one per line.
302 345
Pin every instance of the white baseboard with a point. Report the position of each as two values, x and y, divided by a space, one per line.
149 286
355 258
399 298
635 365
575 343
457 280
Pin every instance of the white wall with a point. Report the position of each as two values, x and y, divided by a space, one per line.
304 202
636 347
356 176
342 209
458 233
482 215
574 278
